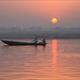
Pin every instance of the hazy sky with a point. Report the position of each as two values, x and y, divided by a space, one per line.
32 14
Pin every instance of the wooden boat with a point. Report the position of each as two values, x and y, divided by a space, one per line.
17 43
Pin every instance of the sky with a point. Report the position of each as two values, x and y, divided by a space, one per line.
22 18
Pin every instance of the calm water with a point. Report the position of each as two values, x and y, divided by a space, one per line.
59 60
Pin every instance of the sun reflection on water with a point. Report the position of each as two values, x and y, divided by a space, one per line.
54 46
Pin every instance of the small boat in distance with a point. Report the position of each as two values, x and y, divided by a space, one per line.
18 43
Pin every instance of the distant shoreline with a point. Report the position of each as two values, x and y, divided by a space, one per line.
45 38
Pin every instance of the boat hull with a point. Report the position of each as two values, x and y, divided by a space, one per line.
16 43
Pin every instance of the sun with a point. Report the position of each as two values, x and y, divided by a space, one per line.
54 20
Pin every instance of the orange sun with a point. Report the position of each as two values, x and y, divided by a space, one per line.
54 20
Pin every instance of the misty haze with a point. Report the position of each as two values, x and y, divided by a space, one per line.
27 19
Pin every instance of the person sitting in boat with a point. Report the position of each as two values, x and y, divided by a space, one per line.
35 40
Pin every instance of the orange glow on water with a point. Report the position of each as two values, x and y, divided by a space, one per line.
54 51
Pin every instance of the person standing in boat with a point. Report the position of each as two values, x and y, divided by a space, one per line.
36 41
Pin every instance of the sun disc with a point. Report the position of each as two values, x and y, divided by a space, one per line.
54 20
